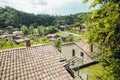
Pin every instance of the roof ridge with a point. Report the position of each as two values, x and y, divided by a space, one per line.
25 47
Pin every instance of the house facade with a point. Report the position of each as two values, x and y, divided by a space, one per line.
79 50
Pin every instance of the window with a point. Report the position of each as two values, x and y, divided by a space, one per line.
81 54
73 52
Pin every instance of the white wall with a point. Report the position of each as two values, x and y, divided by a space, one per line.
66 50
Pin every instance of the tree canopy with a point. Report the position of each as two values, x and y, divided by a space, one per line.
104 30
12 17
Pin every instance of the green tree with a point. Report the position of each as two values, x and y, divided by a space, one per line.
46 30
57 44
40 30
24 29
32 37
70 38
2 42
52 29
31 30
12 17
10 43
104 30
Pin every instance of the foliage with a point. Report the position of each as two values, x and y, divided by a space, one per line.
8 17
111 67
40 30
57 44
92 70
41 41
15 18
70 38
12 17
52 29
61 33
24 29
104 29
2 42
31 30
32 37
46 30
10 43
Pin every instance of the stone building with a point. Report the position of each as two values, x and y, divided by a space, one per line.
80 51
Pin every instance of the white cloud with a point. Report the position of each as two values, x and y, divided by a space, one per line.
53 7
39 2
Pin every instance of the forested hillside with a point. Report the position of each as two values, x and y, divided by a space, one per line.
15 18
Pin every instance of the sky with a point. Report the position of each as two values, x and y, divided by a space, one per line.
51 7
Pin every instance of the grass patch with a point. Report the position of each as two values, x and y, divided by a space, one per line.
10 44
41 42
93 69
61 32
6 46
77 38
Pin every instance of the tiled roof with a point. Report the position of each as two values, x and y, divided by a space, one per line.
83 45
68 43
21 40
32 63
18 32
10 35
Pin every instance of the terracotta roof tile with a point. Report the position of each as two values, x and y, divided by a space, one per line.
83 45
34 63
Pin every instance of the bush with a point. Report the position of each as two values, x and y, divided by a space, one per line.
70 38
57 44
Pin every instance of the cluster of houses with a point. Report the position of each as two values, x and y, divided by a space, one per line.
43 62
63 37
13 33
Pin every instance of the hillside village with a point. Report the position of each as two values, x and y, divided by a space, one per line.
17 36
73 53
81 46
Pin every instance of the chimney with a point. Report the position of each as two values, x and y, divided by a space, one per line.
27 43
